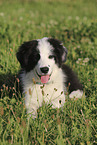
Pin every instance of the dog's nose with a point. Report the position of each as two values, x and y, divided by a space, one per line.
44 69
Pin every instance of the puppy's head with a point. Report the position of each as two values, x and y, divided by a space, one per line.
41 56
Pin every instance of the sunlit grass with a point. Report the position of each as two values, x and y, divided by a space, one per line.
75 24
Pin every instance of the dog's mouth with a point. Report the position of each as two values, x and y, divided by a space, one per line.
44 78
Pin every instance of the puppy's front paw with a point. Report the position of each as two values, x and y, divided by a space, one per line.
76 94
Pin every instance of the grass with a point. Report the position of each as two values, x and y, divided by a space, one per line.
75 24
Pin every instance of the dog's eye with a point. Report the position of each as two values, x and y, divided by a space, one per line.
51 56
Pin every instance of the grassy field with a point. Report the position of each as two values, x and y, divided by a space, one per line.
74 22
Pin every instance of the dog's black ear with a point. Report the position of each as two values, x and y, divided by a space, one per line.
60 50
21 54
64 56
24 52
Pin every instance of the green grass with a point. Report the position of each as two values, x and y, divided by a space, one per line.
75 24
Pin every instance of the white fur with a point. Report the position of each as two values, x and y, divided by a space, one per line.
50 93
76 94
45 50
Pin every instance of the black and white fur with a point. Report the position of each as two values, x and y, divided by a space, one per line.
44 59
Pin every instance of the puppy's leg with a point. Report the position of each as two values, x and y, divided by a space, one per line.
75 88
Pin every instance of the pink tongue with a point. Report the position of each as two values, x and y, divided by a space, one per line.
44 79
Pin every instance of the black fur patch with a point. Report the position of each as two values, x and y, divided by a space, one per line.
28 55
72 80
59 51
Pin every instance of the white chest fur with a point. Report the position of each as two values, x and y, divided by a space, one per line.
51 93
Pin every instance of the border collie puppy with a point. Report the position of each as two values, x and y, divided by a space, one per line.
44 76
